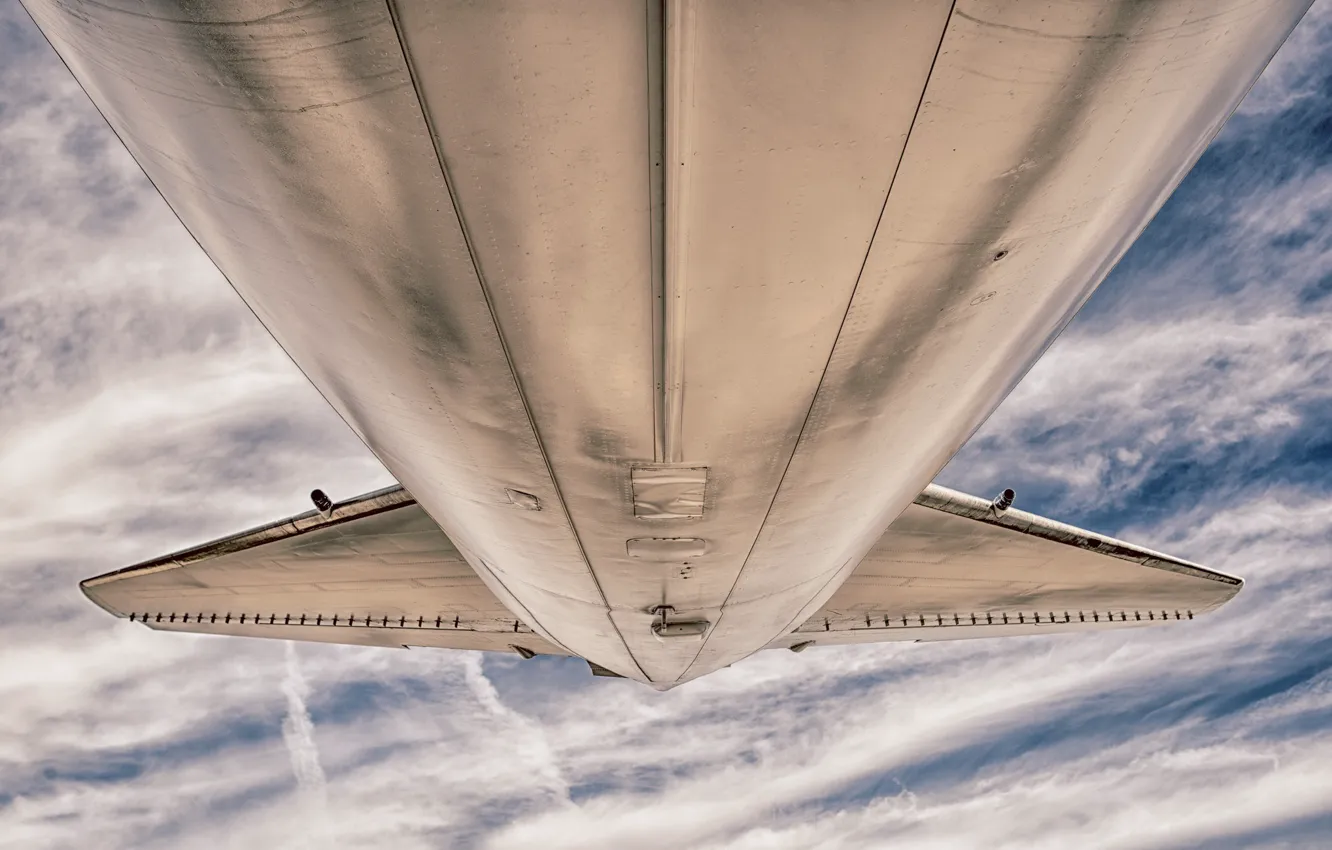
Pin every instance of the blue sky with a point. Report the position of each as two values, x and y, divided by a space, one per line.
142 409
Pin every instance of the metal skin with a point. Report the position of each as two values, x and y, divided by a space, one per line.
529 247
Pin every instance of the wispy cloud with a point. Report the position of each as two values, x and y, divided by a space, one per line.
525 738
298 734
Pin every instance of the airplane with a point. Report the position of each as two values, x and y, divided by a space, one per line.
665 313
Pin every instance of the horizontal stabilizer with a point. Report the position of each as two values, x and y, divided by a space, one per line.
373 571
955 566
377 571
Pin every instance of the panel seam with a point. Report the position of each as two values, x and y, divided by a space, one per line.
809 412
655 71
499 332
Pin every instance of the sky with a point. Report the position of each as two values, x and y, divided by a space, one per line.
143 409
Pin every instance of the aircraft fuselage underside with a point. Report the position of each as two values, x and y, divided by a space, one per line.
665 313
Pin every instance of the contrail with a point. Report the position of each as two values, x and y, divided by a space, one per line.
298 733
525 737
